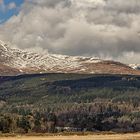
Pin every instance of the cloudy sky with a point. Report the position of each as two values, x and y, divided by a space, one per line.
108 29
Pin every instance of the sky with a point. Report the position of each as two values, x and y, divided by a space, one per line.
8 8
108 29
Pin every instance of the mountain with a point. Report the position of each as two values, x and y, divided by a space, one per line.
135 66
15 61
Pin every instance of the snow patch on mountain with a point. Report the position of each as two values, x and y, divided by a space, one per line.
48 62
135 66
19 61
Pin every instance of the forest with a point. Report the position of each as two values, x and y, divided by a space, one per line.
51 103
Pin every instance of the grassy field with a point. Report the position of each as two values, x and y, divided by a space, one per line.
74 137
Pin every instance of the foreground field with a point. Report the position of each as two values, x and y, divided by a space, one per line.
89 137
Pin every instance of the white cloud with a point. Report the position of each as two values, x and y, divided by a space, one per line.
105 28
5 8
2 6
11 5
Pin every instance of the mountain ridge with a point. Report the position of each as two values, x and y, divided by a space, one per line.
24 62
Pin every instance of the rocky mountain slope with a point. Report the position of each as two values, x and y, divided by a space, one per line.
135 66
15 61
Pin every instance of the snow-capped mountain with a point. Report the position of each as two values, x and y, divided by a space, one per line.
16 61
135 66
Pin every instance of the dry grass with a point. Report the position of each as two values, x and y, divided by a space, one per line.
75 137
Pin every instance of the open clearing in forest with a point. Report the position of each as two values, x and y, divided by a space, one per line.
75 137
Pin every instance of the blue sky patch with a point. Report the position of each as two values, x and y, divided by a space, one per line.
8 8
